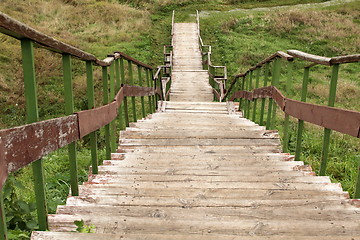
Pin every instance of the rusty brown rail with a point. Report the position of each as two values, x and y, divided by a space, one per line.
25 144
341 120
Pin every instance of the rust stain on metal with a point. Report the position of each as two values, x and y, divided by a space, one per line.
264 92
340 120
119 96
137 91
93 119
25 144
278 97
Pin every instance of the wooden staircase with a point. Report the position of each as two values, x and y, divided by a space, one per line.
198 170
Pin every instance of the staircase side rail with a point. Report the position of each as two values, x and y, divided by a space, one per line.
26 144
216 80
244 84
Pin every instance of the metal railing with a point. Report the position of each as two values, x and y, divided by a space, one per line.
162 76
248 90
27 144
217 74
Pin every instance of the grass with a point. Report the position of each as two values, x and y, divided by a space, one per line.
140 28
329 31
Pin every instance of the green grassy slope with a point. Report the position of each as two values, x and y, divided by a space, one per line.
140 28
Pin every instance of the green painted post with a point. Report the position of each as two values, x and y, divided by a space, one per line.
327 132
287 118
142 97
151 76
250 88
112 96
263 101
117 88
148 85
91 105
32 115
131 80
3 227
271 101
241 102
117 75
256 86
69 109
124 106
246 101
275 82
106 101
357 188
301 122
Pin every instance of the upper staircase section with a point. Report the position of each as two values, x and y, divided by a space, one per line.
189 81
187 55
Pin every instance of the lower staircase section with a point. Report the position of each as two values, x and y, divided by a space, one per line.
201 171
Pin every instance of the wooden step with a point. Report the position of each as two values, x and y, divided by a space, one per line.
162 236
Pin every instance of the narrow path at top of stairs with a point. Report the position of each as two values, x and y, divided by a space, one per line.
199 170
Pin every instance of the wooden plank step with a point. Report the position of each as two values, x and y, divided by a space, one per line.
128 236
336 187
167 134
238 227
201 179
222 193
193 158
226 213
206 172
200 141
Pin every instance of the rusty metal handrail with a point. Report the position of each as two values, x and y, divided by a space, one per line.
30 138
340 120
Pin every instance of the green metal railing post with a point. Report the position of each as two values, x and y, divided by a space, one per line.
142 97
131 81
117 88
3 227
117 75
275 82
124 106
69 109
32 115
357 188
106 101
270 105
245 100
148 85
112 96
263 101
256 86
153 83
287 118
327 132
241 102
91 105
301 122
250 88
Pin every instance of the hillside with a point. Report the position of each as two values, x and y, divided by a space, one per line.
240 36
